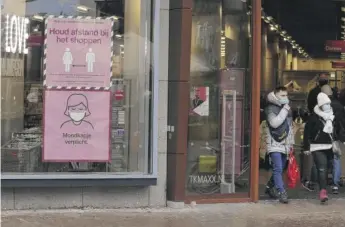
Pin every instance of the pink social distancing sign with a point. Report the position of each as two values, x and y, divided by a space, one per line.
78 52
76 126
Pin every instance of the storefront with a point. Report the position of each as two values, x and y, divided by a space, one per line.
213 146
81 103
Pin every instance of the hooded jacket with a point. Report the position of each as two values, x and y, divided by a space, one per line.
275 120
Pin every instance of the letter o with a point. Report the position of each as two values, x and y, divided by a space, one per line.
13 41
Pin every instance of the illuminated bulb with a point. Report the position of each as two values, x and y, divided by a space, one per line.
269 18
38 17
83 8
118 36
343 9
343 18
121 45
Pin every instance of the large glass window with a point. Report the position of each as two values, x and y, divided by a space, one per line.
76 82
218 132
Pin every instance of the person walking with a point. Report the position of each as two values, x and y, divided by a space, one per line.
323 79
339 114
280 140
318 134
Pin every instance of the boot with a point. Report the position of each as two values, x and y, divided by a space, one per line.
270 189
323 196
283 197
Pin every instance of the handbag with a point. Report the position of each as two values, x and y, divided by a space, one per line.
338 147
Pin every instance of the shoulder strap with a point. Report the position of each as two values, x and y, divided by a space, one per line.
324 123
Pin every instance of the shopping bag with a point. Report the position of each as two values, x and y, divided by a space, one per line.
293 172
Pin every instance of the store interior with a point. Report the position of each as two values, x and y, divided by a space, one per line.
293 43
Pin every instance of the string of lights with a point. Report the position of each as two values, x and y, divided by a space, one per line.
342 56
273 26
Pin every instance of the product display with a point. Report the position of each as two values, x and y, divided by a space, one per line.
119 138
22 153
33 105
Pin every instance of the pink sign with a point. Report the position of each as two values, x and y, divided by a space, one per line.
76 126
78 52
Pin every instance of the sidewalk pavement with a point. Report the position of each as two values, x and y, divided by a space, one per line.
264 214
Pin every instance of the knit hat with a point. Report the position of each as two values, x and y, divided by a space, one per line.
327 90
323 99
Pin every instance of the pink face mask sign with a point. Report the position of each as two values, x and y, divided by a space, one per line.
77 110
76 126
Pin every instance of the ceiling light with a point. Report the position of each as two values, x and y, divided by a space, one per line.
343 33
82 8
343 26
283 32
118 36
269 18
38 17
273 28
343 9
343 18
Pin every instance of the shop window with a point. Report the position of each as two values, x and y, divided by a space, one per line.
76 86
218 131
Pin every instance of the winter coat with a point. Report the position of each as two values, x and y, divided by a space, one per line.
314 134
275 120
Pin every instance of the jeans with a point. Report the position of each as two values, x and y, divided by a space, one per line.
321 159
278 163
307 167
336 170
309 172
